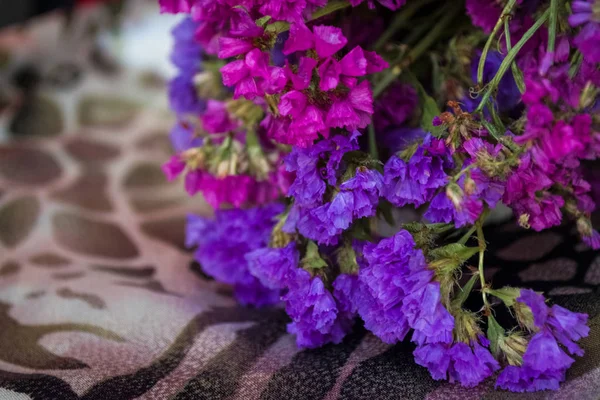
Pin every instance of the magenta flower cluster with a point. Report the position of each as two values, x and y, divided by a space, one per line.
308 124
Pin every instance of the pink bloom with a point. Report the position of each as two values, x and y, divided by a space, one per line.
247 75
216 118
354 111
301 38
173 168
175 6
230 47
301 79
328 40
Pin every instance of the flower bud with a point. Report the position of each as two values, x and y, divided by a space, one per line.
513 347
455 194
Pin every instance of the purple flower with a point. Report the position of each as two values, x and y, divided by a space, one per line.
183 137
186 53
183 97
365 189
223 243
508 95
273 266
396 293
544 366
316 319
427 316
414 181
467 364
344 287
471 364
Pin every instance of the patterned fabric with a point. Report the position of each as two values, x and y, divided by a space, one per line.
100 300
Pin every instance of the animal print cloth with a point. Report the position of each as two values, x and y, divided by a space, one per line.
99 299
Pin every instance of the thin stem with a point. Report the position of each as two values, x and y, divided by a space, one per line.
517 74
373 143
510 57
399 20
552 27
507 9
482 248
467 235
415 52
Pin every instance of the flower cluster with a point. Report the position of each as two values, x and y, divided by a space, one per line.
308 124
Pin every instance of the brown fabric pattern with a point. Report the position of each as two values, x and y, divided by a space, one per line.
100 300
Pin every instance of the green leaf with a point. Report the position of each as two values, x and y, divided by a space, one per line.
495 334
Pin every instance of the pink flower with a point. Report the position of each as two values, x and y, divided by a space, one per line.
354 111
175 6
216 118
247 75
328 40
173 168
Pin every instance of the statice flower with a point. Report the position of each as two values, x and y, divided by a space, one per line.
544 362
416 180
183 137
468 364
316 319
252 76
273 266
339 101
396 292
585 14
223 242
185 56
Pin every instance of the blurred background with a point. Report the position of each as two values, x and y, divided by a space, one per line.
54 53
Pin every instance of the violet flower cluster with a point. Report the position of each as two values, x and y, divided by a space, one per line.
306 125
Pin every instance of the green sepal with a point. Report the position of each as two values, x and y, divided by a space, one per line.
451 256
507 294
312 259
262 22
346 258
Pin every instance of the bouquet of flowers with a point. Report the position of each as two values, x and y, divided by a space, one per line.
307 124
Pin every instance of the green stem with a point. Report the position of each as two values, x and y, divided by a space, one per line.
467 235
517 74
373 143
507 9
510 57
415 52
399 20
332 6
552 27
482 248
